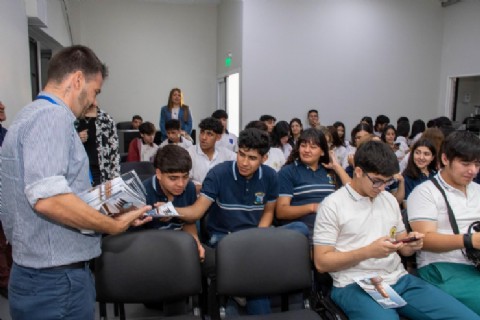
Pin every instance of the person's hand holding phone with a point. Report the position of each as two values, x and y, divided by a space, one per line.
414 241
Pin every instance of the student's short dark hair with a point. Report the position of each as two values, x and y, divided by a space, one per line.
172 124
267 117
462 145
255 139
211 123
73 59
260 125
220 114
402 119
368 120
312 110
172 159
381 119
147 128
378 158
403 129
137 117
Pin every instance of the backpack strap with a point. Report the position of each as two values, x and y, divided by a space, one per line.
451 216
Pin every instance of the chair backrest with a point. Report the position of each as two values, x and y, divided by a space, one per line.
124 125
263 261
473 124
147 266
125 137
144 169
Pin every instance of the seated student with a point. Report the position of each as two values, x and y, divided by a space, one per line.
175 135
143 148
358 132
353 237
275 158
171 184
338 142
422 165
313 119
279 138
242 195
228 139
207 154
269 121
441 261
136 122
296 128
304 181
380 123
389 136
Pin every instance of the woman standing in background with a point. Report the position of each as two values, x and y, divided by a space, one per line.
175 109
98 133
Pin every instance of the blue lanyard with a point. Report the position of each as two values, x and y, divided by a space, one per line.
42 97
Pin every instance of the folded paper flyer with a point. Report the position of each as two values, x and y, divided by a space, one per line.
380 291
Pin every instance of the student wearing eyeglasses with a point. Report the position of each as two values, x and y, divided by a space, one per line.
355 235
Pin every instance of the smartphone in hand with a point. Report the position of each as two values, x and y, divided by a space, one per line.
405 240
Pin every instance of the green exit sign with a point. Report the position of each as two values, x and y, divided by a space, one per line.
228 61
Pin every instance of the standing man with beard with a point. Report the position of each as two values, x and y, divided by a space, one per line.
44 166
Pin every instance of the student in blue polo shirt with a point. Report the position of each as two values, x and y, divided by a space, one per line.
171 183
242 195
304 181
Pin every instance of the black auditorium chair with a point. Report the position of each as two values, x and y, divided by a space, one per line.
265 262
321 301
144 169
150 267
124 125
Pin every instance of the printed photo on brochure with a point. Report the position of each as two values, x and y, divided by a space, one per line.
380 291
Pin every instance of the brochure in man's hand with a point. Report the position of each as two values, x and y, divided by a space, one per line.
116 196
380 291
164 211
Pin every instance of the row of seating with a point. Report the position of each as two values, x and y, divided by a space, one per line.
162 266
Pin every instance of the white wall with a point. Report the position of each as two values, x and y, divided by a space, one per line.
229 35
150 48
57 24
346 58
15 88
461 46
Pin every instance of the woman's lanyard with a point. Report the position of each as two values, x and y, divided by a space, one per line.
42 97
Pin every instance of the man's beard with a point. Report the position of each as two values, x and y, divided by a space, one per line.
82 101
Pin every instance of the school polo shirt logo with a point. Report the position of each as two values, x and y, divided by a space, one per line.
393 232
259 198
331 179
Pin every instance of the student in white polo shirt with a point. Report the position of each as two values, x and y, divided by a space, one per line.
354 236
228 139
441 261
207 154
